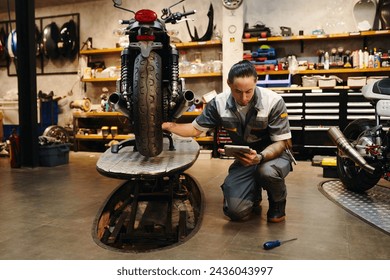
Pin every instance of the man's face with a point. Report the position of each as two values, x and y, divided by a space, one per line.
243 89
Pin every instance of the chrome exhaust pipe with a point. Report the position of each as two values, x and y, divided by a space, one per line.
342 144
185 101
118 103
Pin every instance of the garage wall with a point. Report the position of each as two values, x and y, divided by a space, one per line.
98 19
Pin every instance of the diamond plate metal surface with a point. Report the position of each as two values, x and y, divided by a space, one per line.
128 164
372 206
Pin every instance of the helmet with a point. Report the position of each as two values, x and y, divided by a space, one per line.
67 43
51 35
10 45
38 40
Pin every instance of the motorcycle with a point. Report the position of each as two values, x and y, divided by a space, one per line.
363 156
149 91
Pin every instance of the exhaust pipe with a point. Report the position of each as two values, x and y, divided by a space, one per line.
119 104
341 142
185 101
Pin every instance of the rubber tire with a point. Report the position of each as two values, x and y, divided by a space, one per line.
353 177
148 105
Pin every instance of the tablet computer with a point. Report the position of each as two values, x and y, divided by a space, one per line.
231 149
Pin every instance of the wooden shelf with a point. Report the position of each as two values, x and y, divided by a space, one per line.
193 113
210 43
348 35
101 137
99 80
101 51
330 71
201 75
204 139
187 76
183 45
96 114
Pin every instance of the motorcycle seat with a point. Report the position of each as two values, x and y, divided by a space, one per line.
382 86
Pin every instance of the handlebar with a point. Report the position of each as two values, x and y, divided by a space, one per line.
176 17
172 18
124 21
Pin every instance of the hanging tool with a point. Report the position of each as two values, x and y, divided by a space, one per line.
275 243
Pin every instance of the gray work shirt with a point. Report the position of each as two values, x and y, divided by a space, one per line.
265 122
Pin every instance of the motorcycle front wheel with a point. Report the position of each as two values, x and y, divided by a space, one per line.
352 176
147 113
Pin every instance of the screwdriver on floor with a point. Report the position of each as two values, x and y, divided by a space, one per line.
275 243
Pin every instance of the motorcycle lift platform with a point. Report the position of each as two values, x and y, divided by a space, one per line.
157 206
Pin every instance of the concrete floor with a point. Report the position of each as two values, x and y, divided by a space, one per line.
48 213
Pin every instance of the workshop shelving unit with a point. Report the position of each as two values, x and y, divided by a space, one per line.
87 129
188 46
313 110
307 45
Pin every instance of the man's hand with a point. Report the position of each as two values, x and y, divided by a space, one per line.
167 126
181 129
246 159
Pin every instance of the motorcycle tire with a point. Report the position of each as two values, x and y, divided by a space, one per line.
352 176
147 101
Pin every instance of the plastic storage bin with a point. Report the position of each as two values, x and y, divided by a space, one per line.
275 81
309 81
53 155
326 82
356 81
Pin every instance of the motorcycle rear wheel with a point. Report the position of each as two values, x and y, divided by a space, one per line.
352 176
148 105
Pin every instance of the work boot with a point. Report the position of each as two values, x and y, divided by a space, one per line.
276 212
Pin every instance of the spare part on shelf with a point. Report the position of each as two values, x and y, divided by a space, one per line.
257 30
364 14
82 104
286 31
383 12
382 16
210 27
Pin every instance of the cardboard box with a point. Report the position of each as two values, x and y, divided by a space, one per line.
326 82
356 81
309 81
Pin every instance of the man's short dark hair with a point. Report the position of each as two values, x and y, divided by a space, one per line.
243 68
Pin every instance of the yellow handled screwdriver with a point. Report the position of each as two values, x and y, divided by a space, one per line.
275 243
